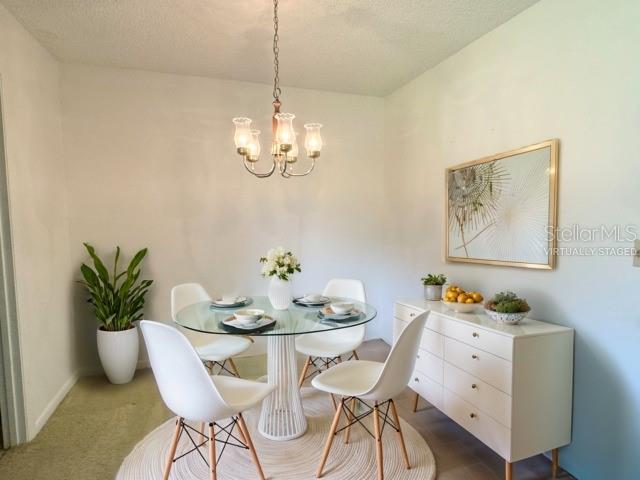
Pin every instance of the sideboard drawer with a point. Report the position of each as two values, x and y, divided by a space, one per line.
493 370
494 343
430 365
405 313
432 342
487 398
480 424
427 389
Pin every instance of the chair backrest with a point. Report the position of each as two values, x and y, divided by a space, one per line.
187 294
346 287
400 363
184 384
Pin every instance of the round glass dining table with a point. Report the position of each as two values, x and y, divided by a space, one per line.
282 416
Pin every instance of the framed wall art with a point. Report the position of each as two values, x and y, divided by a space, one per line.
501 210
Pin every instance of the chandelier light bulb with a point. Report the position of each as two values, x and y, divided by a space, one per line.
284 132
253 153
242 136
313 140
292 156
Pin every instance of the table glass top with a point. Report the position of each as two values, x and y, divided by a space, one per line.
296 320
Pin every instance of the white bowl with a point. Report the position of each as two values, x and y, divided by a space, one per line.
312 297
462 307
248 315
508 318
341 307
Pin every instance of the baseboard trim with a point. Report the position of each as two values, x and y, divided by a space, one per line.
55 401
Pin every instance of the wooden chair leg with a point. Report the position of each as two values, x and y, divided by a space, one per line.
355 355
554 463
350 419
172 449
415 403
333 400
400 436
327 447
304 371
378 438
212 452
201 429
232 364
243 439
252 449
508 470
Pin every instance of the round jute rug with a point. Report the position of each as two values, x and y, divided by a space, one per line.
293 460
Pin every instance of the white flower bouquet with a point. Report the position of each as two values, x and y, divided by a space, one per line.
279 263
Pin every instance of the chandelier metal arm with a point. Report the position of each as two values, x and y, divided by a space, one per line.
302 174
247 166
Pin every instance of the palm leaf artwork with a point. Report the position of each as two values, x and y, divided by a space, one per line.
474 194
117 299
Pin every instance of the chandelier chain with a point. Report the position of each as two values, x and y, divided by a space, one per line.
276 50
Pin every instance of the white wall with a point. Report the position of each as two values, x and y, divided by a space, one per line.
567 69
152 163
29 79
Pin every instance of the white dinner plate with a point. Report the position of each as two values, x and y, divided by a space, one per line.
240 301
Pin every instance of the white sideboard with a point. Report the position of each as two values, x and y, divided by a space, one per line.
508 385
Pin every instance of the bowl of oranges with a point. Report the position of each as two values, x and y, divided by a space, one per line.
461 301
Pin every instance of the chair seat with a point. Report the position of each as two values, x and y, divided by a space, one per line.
353 379
240 394
222 348
324 345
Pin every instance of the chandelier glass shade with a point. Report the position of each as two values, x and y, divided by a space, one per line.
284 144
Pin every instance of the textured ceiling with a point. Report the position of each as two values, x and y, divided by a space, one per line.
358 46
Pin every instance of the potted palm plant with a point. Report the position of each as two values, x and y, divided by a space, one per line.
117 299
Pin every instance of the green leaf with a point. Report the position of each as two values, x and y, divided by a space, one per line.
100 268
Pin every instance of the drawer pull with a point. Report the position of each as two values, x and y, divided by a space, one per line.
473 415
475 334
417 356
474 386
412 314
474 356
416 379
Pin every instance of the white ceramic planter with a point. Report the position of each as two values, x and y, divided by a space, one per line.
279 293
118 352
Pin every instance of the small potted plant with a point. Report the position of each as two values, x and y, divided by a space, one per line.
433 285
507 307
117 299
279 264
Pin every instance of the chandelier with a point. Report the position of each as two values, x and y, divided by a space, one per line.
284 143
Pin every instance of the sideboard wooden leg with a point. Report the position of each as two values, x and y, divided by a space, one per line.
554 463
415 403
508 470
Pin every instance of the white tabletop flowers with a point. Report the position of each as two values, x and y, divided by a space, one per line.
279 264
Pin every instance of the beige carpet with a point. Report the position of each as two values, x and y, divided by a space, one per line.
294 460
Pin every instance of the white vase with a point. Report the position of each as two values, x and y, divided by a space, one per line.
118 352
279 293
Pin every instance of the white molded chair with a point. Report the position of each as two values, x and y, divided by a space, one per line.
212 349
365 381
325 348
193 395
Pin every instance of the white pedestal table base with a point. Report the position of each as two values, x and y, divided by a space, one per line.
282 417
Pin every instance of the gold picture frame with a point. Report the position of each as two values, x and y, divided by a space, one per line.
502 210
